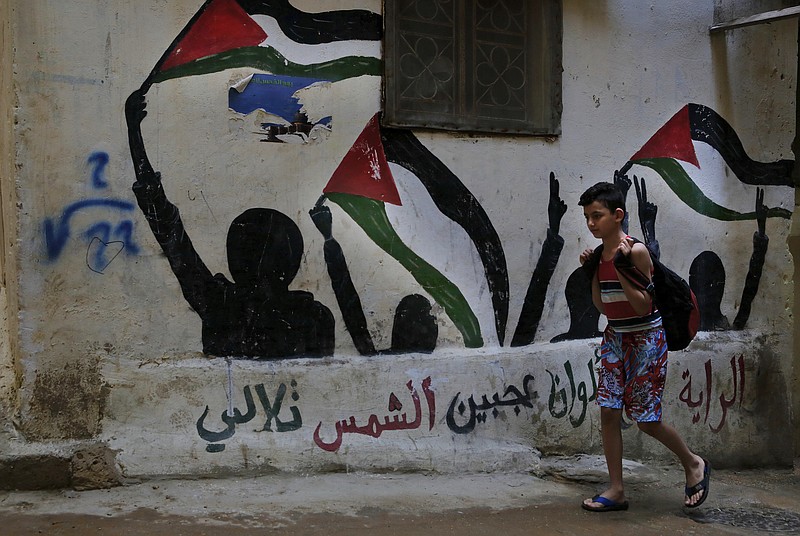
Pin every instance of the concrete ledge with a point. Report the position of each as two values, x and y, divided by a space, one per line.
466 411
82 468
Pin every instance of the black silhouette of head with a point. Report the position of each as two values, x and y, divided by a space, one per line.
707 280
265 248
583 315
415 328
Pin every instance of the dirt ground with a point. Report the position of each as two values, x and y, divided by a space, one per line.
740 502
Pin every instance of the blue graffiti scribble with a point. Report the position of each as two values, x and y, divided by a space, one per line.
56 233
100 160
106 239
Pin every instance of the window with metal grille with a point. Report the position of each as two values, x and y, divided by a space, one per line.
473 65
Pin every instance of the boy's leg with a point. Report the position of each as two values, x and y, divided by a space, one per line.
643 396
610 389
693 465
611 431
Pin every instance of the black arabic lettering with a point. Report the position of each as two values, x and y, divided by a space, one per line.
213 437
562 397
430 398
237 417
577 392
584 398
273 410
476 413
462 408
230 420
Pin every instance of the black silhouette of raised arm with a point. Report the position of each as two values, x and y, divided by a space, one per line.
647 217
532 308
760 244
195 279
346 294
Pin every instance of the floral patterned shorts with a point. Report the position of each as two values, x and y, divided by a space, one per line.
632 373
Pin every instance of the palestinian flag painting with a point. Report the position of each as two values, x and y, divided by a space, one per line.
698 143
386 180
273 36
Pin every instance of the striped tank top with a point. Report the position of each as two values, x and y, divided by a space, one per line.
621 315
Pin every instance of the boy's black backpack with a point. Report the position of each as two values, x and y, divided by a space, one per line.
676 302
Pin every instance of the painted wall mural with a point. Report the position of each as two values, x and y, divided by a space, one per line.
693 141
363 184
255 315
274 37
533 306
386 175
679 142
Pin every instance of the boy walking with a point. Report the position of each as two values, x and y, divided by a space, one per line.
633 365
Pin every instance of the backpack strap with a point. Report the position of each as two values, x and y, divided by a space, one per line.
627 269
590 266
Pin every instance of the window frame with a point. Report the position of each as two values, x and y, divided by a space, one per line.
543 81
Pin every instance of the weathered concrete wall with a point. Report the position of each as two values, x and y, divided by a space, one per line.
112 347
8 218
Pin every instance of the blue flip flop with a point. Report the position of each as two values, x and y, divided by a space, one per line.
703 486
608 505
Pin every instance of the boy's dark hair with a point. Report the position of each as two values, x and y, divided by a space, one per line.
606 193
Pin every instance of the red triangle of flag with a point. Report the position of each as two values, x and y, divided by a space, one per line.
364 170
673 140
223 25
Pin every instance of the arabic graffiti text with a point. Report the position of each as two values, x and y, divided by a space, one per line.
374 427
272 410
701 404
463 417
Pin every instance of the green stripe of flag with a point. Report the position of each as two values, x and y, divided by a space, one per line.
266 58
686 189
371 216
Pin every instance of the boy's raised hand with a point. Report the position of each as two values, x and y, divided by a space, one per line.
585 255
625 246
